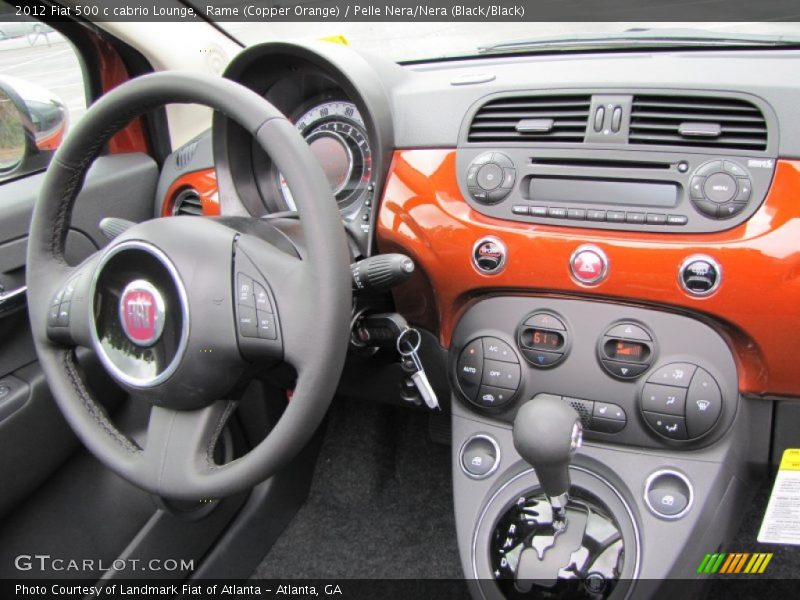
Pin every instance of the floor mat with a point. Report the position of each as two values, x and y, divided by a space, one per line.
380 504
782 570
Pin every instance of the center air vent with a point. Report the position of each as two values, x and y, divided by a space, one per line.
187 202
701 121
560 118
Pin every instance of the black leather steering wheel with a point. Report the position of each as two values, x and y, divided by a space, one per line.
177 308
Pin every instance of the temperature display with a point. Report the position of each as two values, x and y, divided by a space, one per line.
542 339
627 350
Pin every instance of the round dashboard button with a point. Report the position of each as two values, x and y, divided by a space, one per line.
480 456
490 176
720 188
588 265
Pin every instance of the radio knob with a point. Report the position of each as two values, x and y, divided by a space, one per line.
720 189
491 177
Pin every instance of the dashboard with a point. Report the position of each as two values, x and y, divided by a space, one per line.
619 232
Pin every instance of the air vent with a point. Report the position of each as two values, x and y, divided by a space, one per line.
560 118
187 202
184 155
697 121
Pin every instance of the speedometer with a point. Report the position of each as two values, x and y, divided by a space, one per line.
336 134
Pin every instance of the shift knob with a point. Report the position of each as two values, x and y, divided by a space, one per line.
547 432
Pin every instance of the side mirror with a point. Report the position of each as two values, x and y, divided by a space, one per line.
33 122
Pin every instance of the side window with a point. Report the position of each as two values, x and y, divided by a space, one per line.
42 92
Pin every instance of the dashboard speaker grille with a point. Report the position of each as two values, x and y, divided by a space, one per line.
702 121
188 202
559 118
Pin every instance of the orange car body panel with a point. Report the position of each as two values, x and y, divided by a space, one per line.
756 308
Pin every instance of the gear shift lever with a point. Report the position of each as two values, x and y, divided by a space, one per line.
547 432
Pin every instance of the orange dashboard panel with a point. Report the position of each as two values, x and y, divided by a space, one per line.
203 183
756 308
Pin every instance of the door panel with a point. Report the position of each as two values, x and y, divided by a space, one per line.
34 438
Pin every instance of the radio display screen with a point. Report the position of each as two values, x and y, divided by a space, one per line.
590 191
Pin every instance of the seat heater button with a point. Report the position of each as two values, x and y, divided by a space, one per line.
247 322
266 325
244 291
262 298
501 374
606 410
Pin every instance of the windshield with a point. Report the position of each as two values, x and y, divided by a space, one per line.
429 41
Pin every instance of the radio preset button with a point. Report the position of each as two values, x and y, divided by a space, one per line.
519 209
595 215
576 214
635 217
556 212
615 216
656 219
538 211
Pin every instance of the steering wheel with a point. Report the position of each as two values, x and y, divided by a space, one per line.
178 308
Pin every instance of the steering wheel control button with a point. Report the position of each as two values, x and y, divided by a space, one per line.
244 290
700 275
703 404
501 374
496 349
669 426
492 397
141 311
261 298
668 494
266 325
248 326
720 187
588 265
489 255
469 369
480 456
664 399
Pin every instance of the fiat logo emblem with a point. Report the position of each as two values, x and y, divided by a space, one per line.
141 312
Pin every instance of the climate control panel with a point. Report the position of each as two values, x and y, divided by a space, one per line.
635 376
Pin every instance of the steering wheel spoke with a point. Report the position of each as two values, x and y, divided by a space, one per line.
269 287
179 449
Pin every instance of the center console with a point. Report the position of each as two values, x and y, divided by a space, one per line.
661 474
